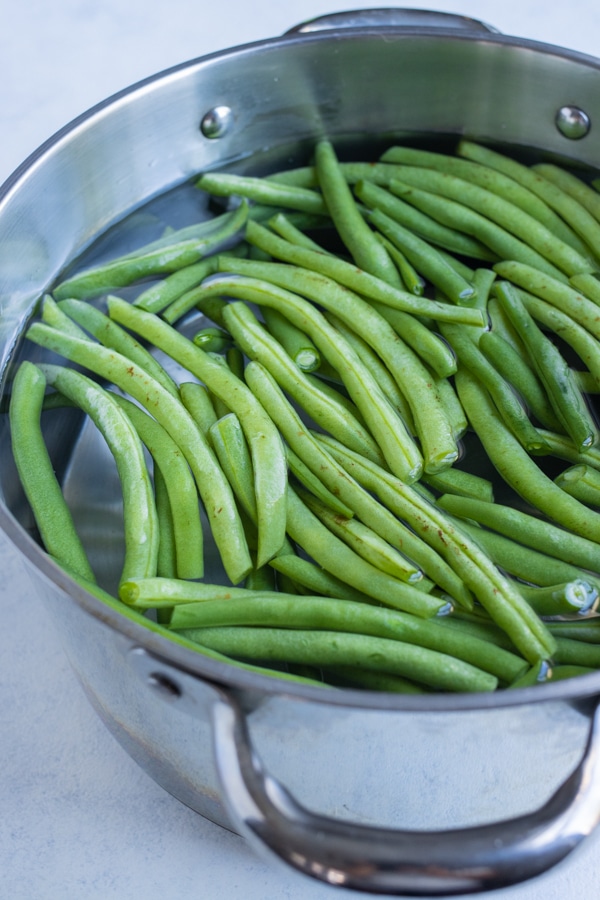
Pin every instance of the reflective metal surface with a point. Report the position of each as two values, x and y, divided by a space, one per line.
431 82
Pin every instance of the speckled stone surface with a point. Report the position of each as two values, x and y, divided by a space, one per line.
79 820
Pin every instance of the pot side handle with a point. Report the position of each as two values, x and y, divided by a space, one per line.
397 862
392 18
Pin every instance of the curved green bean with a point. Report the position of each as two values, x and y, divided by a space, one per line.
367 252
323 613
36 472
112 335
552 369
295 342
139 510
162 257
266 447
262 190
179 485
324 648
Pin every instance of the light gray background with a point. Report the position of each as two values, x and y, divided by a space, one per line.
78 819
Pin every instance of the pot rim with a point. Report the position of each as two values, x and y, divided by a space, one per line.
127 622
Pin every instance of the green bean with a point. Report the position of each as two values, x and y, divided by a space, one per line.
295 342
229 443
166 559
410 278
493 180
507 403
438 444
587 630
576 653
552 370
527 529
315 485
425 258
537 674
55 315
501 600
587 382
212 340
285 228
156 593
261 190
342 485
572 185
326 412
139 510
524 562
351 676
563 447
514 369
322 613
566 206
336 557
36 472
159 296
583 311
196 399
353 310
582 482
584 344
463 483
339 648
162 259
588 284
426 343
576 597
420 223
266 448
454 411
179 485
517 468
389 430
112 335
262 579
316 580
377 368
337 393
365 542
359 240
212 485
358 280
456 215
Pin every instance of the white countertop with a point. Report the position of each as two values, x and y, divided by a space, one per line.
79 820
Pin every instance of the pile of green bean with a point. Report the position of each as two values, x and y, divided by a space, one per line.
367 321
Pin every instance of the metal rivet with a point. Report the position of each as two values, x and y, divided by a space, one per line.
164 686
573 122
216 122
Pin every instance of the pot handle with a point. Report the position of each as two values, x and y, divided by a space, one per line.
397 862
392 18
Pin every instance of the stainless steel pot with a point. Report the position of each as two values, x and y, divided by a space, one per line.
352 788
